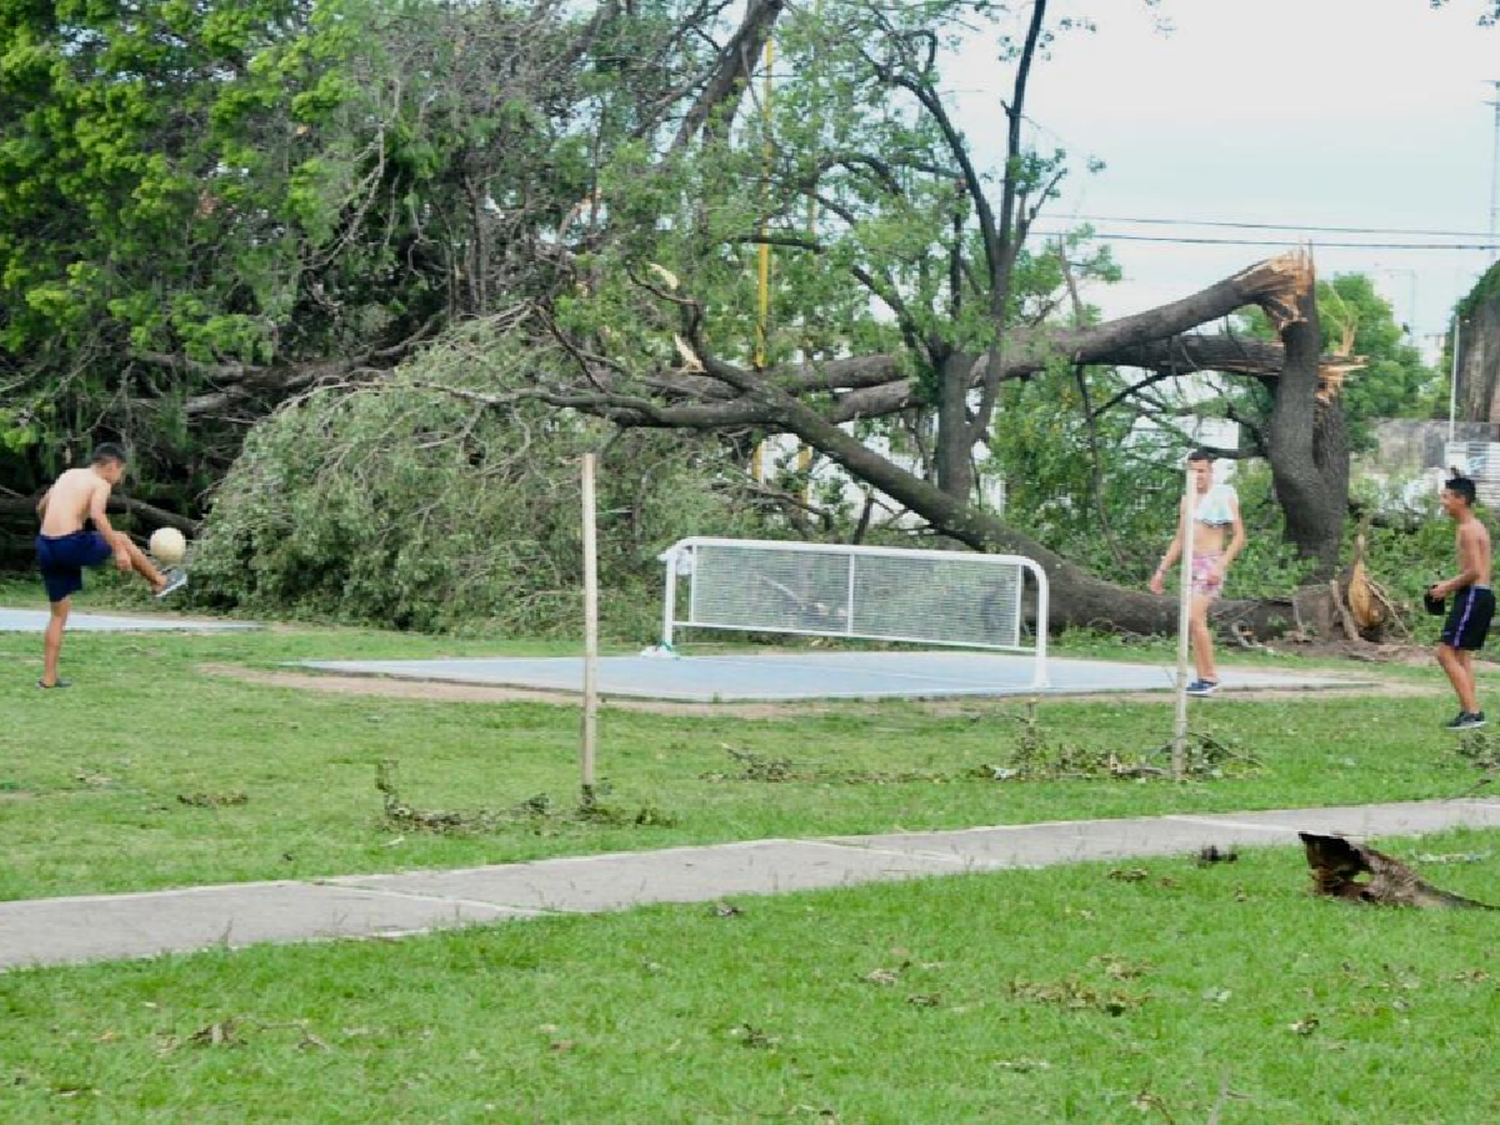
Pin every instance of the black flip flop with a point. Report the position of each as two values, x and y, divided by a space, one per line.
53 687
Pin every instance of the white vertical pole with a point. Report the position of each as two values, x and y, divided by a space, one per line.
1453 385
1039 679
1184 614
590 631
669 600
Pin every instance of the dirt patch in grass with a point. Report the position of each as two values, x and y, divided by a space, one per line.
390 687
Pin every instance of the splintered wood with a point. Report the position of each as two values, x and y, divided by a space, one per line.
1291 277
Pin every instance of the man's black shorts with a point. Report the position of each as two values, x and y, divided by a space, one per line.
1469 619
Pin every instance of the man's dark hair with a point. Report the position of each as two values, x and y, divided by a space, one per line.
109 451
1202 455
1461 486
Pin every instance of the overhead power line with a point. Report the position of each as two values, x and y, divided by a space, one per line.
1109 236
1236 225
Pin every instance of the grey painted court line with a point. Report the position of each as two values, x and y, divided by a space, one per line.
806 676
35 621
103 927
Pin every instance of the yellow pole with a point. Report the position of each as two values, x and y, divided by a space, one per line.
763 294
763 302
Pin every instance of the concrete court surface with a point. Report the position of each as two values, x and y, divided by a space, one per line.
35 621
811 675
103 927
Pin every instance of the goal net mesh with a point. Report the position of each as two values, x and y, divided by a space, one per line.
971 600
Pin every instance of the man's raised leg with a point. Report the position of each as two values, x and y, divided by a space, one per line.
142 565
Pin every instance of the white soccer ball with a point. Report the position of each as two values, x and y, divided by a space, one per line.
168 545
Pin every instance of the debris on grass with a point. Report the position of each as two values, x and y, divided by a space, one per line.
753 767
727 910
1145 1101
1129 875
1074 994
214 800
536 811
1450 857
1036 756
1206 759
756 1038
1117 968
1209 855
224 1033
1479 748
1023 1066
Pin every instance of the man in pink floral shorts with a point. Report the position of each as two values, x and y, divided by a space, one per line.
1214 516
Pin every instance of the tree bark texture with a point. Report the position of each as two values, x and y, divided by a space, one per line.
1306 440
1479 360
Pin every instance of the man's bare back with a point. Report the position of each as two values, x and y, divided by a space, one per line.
70 499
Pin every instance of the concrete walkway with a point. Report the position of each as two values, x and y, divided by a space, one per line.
35 621
101 927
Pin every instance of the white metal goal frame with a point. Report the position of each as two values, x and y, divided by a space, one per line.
955 599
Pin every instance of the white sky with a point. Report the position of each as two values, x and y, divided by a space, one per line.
1366 113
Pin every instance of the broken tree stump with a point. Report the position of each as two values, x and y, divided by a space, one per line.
1338 863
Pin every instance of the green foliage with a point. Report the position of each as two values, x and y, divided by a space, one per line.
416 509
187 187
1485 290
1043 446
1356 320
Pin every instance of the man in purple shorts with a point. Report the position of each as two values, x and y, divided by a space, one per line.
1473 605
65 546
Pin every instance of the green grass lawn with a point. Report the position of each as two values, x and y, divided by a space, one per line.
1193 994
91 779
1221 993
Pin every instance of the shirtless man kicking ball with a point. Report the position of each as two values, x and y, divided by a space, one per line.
65 547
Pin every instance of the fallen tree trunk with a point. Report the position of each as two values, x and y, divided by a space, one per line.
156 517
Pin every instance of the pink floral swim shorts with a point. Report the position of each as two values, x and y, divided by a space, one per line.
1205 580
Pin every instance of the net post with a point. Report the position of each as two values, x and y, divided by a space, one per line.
669 600
1184 614
1040 679
589 745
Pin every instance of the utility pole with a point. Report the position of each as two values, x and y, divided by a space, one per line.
1495 170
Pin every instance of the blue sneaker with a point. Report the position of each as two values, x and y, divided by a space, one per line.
1466 720
1203 687
176 580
